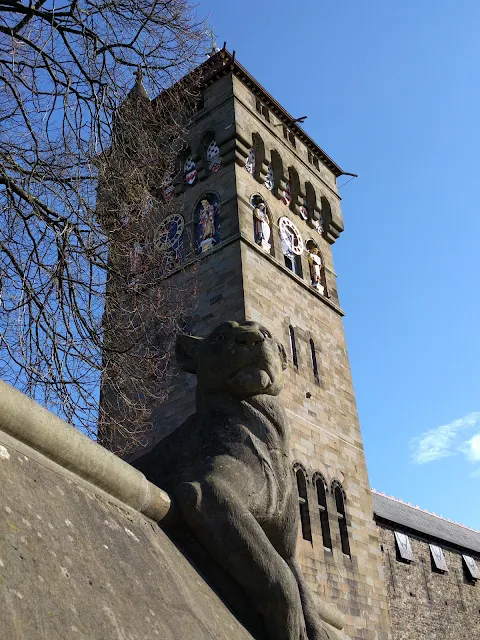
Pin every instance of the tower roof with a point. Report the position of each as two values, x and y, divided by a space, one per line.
223 62
413 518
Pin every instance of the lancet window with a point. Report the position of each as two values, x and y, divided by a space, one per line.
323 512
342 519
303 504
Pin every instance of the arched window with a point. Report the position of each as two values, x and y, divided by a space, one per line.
317 267
293 346
277 168
261 223
292 245
313 354
294 181
326 217
342 521
259 153
303 504
323 511
313 214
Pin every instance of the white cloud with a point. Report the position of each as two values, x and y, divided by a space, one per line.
472 448
447 440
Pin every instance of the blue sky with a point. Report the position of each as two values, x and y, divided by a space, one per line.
392 92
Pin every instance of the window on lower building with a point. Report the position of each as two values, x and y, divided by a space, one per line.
404 548
439 563
303 504
471 570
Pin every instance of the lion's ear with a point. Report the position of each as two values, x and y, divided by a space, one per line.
186 352
283 355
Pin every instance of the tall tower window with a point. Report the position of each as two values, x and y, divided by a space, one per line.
293 346
303 504
313 355
342 522
323 511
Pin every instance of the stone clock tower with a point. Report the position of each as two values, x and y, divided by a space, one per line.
261 213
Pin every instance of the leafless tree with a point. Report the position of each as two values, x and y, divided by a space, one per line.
84 294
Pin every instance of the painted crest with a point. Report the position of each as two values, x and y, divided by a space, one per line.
269 181
304 210
250 161
214 159
167 190
287 195
190 171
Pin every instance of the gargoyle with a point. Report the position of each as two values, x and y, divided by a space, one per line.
228 472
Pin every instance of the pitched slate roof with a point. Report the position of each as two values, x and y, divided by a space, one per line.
400 513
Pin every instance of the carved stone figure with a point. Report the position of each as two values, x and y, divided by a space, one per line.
228 472
261 223
315 264
207 225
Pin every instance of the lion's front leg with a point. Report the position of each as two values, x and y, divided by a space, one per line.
232 536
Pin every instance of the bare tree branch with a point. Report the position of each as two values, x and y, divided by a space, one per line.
85 298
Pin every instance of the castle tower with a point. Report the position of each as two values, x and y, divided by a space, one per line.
261 213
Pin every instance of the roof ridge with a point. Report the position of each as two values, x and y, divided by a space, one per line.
430 513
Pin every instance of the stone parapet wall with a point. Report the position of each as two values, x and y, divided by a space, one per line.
78 562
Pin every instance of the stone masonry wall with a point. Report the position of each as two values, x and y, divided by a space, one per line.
237 280
425 604
326 435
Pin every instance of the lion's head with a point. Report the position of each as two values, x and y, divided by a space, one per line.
240 359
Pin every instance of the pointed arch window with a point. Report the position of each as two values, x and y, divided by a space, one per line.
294 182
303 504
259 154
323 512
342 521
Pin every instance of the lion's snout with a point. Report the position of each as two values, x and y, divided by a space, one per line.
249 337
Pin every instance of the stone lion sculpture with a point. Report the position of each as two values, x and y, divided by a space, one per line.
228 472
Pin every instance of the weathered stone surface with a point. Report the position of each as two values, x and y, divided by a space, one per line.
77 563
238 280
424 603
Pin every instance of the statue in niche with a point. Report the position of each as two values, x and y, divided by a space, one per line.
250 162
207 214
315 264
228 471
261 223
